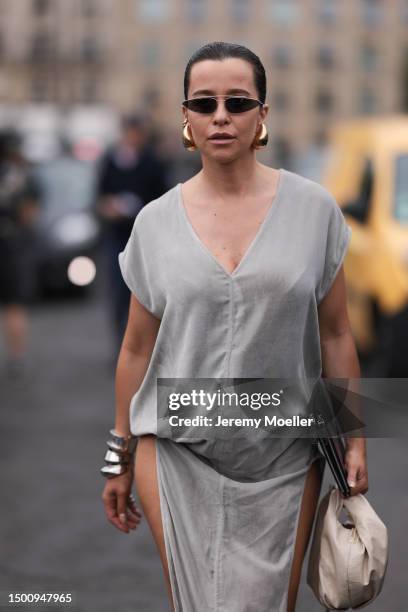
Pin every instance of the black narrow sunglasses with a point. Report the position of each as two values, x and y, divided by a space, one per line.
233 104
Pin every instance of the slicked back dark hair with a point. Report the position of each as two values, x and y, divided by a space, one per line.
222 50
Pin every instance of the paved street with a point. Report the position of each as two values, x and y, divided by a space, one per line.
53 533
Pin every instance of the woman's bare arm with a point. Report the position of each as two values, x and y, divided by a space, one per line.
134 357
340 360
339 355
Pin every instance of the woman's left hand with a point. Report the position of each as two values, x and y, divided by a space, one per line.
356 465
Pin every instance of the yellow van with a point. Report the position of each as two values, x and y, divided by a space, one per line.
367 172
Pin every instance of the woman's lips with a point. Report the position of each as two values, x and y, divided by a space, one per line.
221 140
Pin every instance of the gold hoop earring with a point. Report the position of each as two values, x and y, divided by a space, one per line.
188 142
261 140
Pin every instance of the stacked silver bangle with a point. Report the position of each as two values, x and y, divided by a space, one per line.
119 454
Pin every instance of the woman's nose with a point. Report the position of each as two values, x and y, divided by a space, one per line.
221 111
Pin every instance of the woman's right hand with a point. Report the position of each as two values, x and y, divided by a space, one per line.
117 504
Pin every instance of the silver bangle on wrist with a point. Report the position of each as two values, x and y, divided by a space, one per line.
119 454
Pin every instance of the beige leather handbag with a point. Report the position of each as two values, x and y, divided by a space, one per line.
347 562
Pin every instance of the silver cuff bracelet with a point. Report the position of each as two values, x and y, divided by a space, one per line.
119 454
118 443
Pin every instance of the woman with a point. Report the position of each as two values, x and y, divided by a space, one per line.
235 273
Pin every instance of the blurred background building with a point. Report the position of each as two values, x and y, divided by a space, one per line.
325 60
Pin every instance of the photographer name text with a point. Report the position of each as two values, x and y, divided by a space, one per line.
266 421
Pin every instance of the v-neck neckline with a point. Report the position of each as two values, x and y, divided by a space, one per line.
272 208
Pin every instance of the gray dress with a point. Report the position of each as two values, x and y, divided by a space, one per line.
230 508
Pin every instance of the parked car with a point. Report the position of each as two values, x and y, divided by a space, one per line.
367 172
67 228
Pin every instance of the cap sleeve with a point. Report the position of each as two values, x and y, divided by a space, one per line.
338 237
134 266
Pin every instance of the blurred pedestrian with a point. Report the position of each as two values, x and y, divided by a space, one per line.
19 209
131 174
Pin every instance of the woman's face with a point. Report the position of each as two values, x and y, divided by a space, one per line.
232 76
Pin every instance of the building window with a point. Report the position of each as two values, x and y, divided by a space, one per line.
150 53
90 50
41 47
39 89
367 102
284 13
89 8
327 11
190 48
89 90
403 104
320 138
324 101
325 57
281 101
152 10
151 97
369 57
196 10
240 10
404 11
372 12
282 56
282 151
41 7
